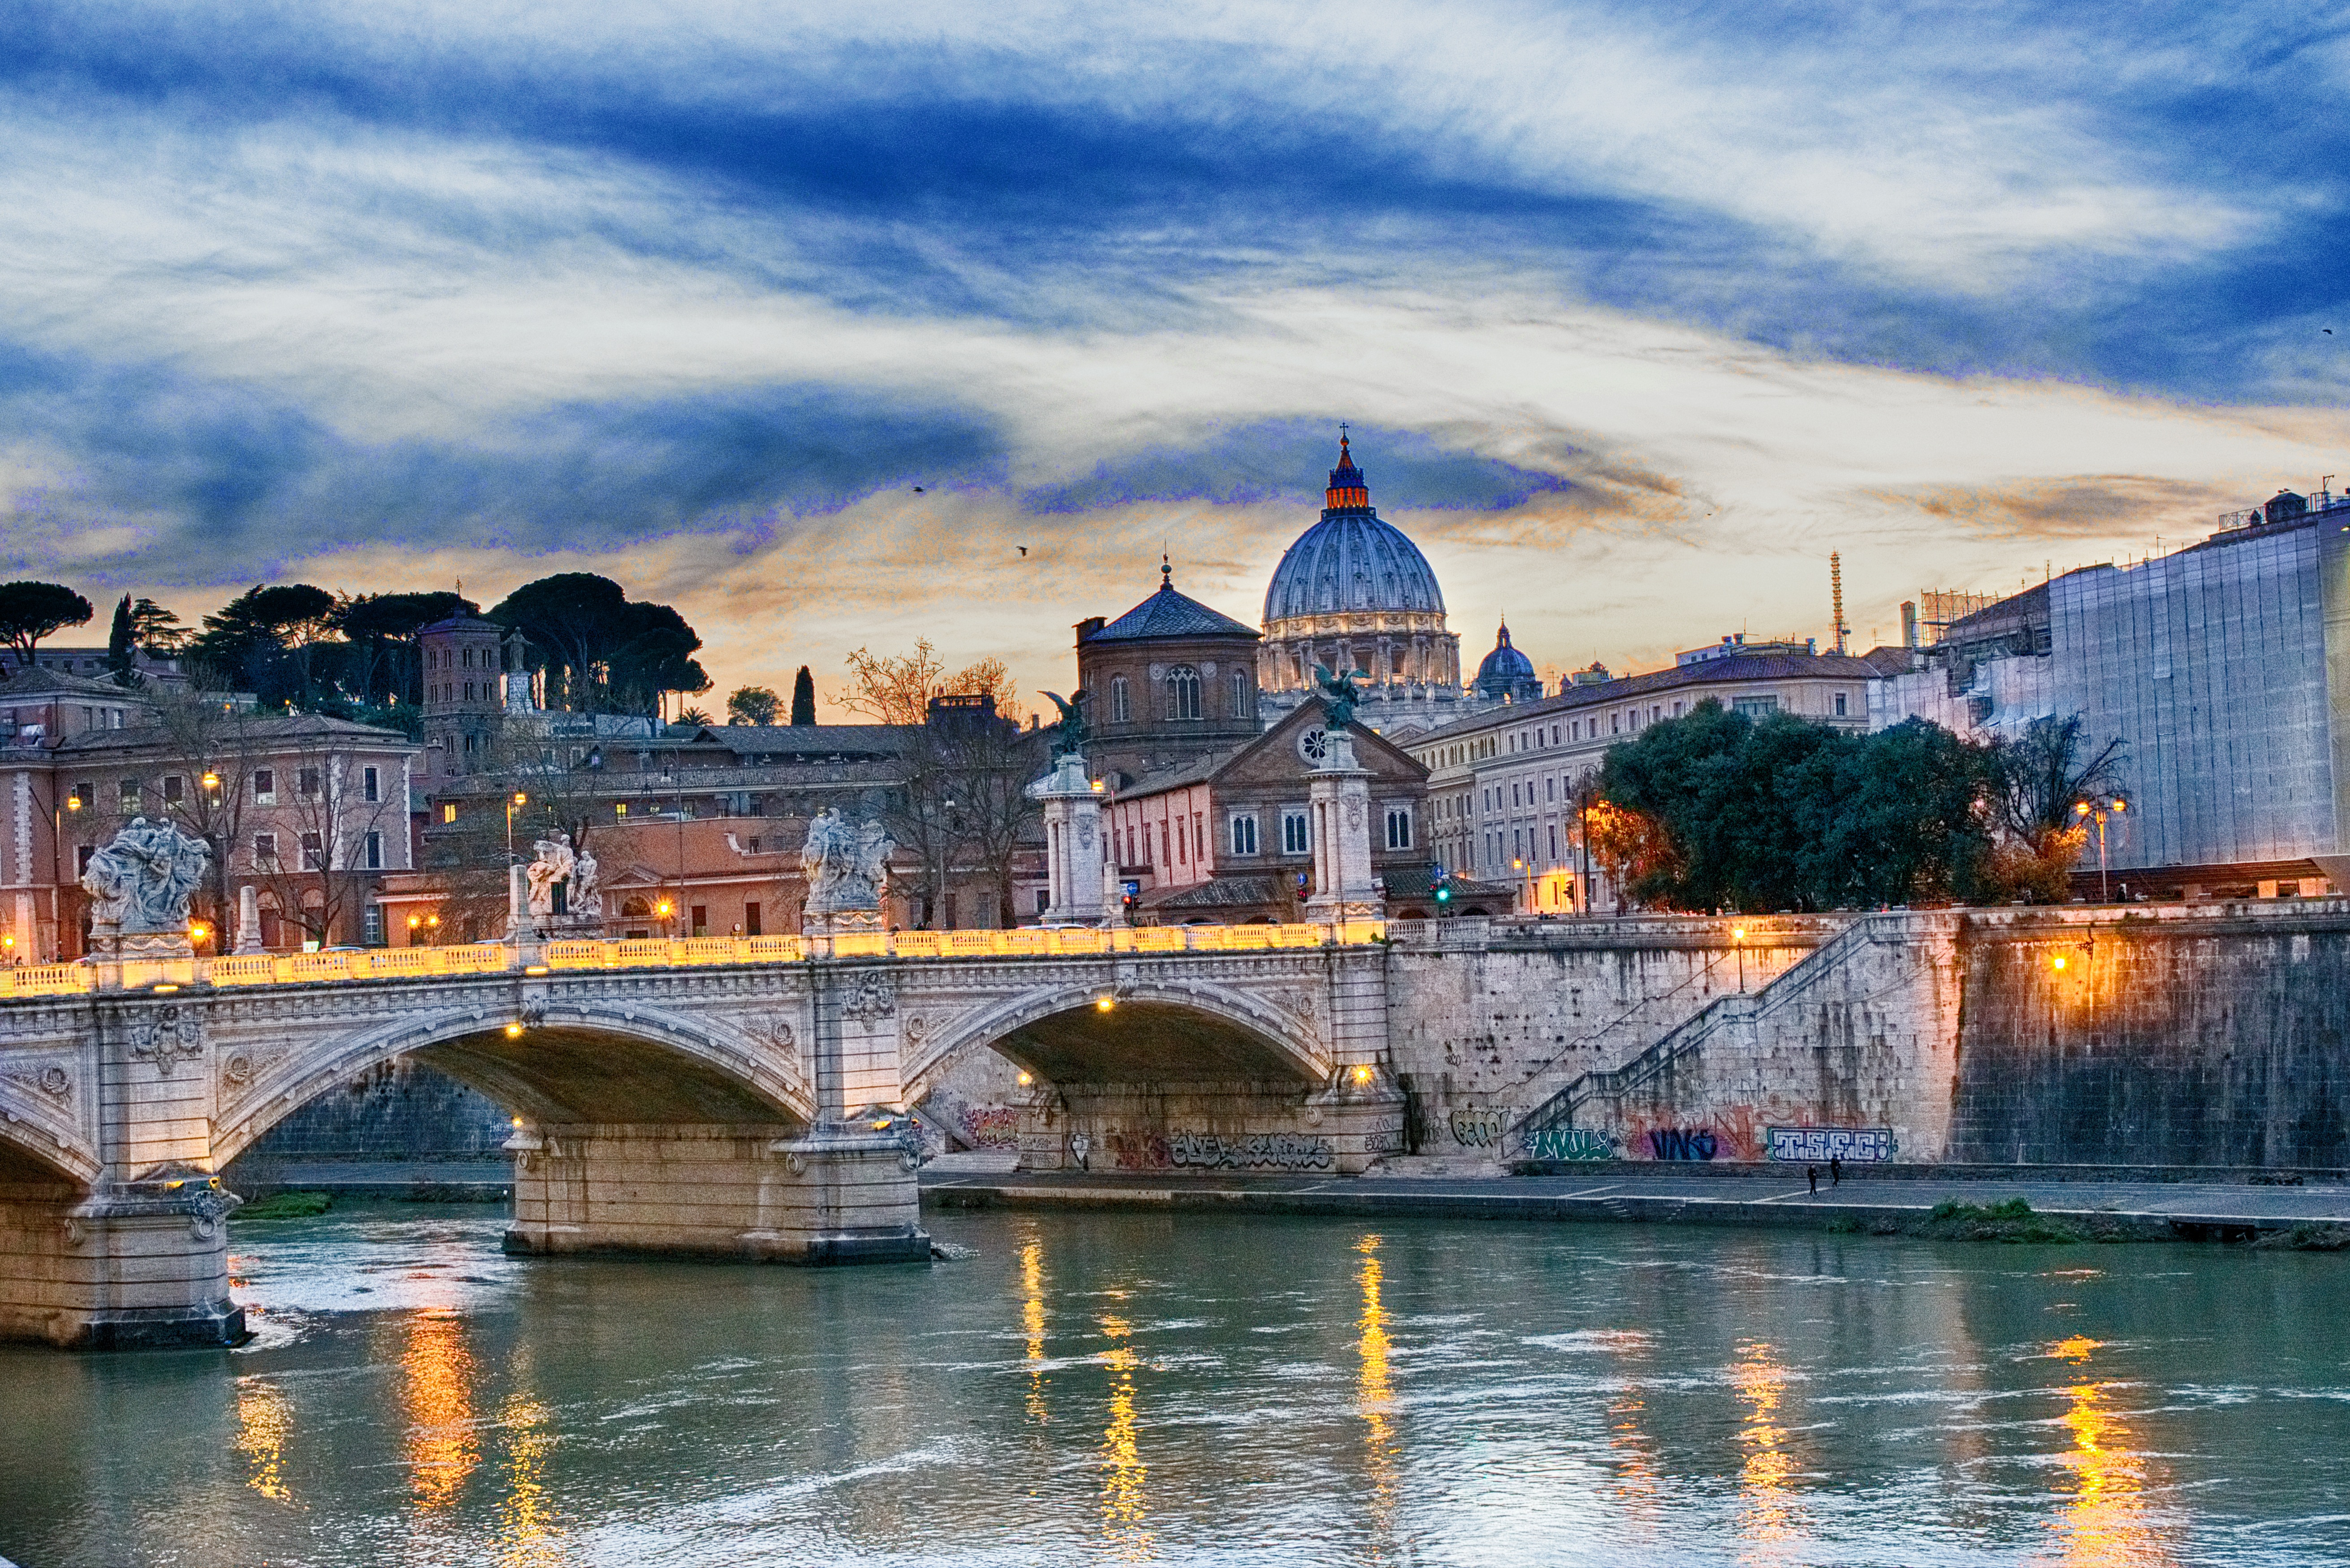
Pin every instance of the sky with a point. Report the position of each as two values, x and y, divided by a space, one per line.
805 319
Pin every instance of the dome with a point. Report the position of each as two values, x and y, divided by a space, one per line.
1350 560
1506 672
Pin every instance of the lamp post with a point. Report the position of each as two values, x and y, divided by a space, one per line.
2098 810
1738 942
513 800
1526 876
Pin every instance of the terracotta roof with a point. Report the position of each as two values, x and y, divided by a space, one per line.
805 740
1217 893
43 682
1710 672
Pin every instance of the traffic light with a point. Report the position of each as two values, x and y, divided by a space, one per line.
1443 884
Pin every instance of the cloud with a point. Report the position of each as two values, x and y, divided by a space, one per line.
2085 506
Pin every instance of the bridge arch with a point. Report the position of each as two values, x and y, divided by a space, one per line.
568 1064
1152 1032
32 1153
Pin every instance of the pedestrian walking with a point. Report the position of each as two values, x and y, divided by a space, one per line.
1835 1171
1813 1171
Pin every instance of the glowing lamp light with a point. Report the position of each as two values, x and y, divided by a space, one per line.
73 803
1026 1079
518 1121
881 1124
513 1030
2056 962
1738 933
520 799
211 780
1362 1075
160 989
1104 1003
2080 808
535 969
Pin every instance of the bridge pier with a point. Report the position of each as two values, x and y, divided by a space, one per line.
840 1194
142 1264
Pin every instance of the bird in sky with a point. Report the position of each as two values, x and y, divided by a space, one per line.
1022 549
2327 330
917 490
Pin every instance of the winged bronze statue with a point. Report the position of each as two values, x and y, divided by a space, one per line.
1072 732
1339 694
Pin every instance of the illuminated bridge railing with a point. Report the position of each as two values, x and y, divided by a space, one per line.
493 958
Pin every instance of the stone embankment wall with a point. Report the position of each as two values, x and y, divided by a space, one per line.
2193 1034
397 1111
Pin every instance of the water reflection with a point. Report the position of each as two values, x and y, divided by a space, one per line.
436 1388
526 1529
1627 1439
1032 1320
2108 1524
1770 1523
1123 1471
263 1417
1374 1398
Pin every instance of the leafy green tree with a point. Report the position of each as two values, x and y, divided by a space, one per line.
602 652
384 664
30 611
269 640
803 699
157 630
753 705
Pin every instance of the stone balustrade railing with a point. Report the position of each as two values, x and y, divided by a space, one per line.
495 957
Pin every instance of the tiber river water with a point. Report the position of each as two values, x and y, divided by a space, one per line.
1105 1387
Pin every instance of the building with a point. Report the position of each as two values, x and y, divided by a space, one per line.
311 812
2224 671
1508 789
1167 682
1355 593
1507 675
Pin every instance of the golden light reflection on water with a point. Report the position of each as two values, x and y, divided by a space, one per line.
2107 1524
1769 1521
1124 1514
436 1388
526 1528
1374 1395
1637 1484
1031 1319
264 1417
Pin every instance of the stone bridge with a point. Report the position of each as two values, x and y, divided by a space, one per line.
724 1097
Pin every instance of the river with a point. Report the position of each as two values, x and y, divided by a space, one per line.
1099 1387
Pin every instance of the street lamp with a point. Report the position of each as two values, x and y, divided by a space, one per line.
1517 863
518 798
2098 810
1738 942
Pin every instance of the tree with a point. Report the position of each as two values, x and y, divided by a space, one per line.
602 652
691 719
753 705
897 689
2041 779
384 664
319 874
30 611
267 639
803 699
963 807
157 630
121 647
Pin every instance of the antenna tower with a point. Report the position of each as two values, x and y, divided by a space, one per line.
1835 595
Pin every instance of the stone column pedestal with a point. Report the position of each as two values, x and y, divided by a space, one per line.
132 1266
248 919
840 1193
1360 1112
1073 862
1338 796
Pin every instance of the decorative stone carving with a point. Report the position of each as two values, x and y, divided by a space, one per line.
55 1081
918 1029
564 884
171 1036
139 886
846 868
870 997
239 1069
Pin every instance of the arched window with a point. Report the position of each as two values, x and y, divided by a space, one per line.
1183 692
1120 709
1240 692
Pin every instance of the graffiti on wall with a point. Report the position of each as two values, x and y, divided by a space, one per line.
1822 1143
1682 1143
1281 1151
1473 1128
1570 1143
989 1126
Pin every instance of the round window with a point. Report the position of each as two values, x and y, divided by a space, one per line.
1313 745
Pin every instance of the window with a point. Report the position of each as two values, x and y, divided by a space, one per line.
1755 707
467 657
82 854
311 851
449 811
1121 709
374 852
1839 706
1240 692
1615 723
264 851
265 786
619 808
1656 712
1243 833
751 927
175 788
131 794
1553 843
373 935
469 691
1549 789
1293 835
1677 710
1183 692
1398 828
370 784
701 913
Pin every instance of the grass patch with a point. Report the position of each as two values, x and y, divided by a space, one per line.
286 1206
2013 1220
1844 1225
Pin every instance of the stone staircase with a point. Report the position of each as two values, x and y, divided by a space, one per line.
1562 1097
